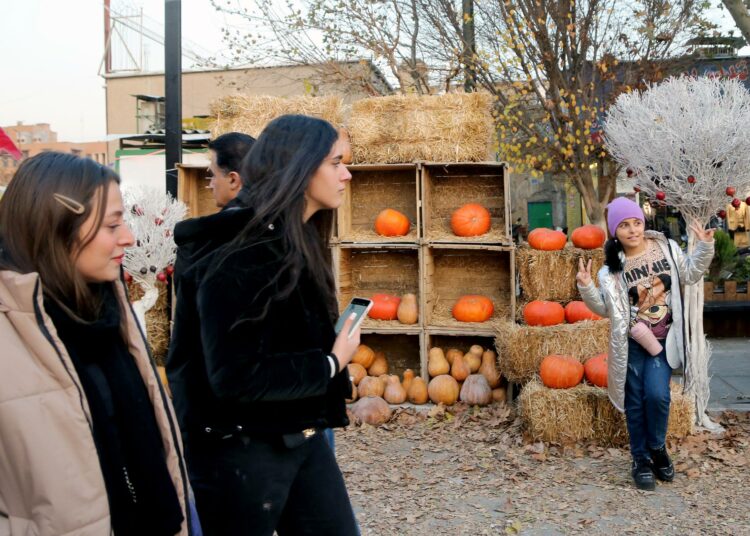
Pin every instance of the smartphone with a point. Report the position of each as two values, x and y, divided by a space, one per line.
358 306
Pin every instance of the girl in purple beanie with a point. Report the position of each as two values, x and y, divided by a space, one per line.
640 291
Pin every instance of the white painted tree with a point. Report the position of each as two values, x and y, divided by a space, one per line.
151 215
685 141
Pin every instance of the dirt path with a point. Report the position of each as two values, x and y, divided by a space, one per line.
473 473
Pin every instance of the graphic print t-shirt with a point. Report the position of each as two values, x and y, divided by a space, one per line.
649 288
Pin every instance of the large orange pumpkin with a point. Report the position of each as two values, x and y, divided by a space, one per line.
473 308
470 220
543 313
595 370
588 237
561 371
391 223
547 239
384 307
577 311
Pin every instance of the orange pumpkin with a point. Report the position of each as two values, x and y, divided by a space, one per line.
473 308
470 220
346 156
576 311
443 389
384 307
547 239
595 370
561 371
543 313
588 237
391 223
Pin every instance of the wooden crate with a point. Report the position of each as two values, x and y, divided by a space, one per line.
450 272
447 339
372 189
193 190
402 351
447 187
364 270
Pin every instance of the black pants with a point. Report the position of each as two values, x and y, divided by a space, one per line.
246 486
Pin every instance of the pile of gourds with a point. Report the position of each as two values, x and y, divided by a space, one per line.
471 377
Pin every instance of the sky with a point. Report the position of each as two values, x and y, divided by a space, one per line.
53 49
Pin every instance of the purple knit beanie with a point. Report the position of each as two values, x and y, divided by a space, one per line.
622 208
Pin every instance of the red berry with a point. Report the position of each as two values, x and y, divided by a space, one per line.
747 201
128 278
636 189
629 172
158 221
722 214
161 277
736 203
691 179
661 196
731 190
596 137
169 270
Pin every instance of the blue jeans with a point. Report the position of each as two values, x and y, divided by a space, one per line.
647 399
328 434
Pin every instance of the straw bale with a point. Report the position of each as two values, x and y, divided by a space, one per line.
251 113
456 127
157 321
522 348
551 275
585 413
370 236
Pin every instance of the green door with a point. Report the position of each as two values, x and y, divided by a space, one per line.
540 214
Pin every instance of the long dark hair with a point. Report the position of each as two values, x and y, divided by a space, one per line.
281 163
612 250
49 198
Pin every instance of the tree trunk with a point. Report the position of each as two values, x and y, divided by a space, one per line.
741 15
697 349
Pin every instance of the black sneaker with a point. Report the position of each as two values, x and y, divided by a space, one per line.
663 468
643 476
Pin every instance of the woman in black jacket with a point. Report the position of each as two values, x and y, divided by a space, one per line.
275 371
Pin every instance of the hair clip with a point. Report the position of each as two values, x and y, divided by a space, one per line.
71 204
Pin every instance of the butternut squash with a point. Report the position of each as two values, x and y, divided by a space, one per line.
408 310
437 363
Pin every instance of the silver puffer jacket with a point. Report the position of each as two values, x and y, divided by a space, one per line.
611 300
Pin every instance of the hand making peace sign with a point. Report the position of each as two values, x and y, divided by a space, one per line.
584 273
704 235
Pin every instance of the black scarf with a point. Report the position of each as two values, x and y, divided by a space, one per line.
142 497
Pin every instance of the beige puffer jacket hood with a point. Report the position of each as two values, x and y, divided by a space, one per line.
50 479
611 300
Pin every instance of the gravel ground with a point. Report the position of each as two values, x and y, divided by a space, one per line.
471 471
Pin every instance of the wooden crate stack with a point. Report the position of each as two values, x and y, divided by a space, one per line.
430 261
193 190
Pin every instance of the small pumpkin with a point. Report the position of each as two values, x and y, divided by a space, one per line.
476 391
364 356
473 308
356 372
471 219
443 389
459 369
451 354
379 365
561 371
372 410
596 370
391 223
437 364
576 311
370 386
346 155
546 239
384 307
543 313
408 310
394 392
488 369
417 392
499 394
408 378
588 237
473 361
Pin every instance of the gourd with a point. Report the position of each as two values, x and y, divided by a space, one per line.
470 220
384 307
408 311
364 356
436 363
346 156
408 378
372 410
356 372
443 389
596 370
394 392
499 394
561 371
451 354
473 358
476 391
547 239
576 311
391 223
488 369
473 308
543 313
459 370
370 386
588 237
379 365
417 392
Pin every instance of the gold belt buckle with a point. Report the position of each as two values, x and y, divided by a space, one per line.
309 432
